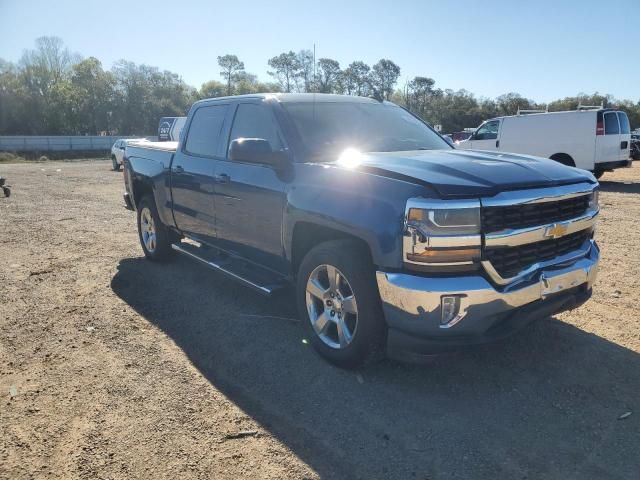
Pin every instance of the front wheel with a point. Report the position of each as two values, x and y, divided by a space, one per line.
598 173
114 163
339 303
154 235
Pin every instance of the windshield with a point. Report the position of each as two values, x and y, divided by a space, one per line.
326 128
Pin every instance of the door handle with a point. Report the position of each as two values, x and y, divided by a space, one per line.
178 169
222 178
497 143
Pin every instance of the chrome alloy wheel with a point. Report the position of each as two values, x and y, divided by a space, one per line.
148 230
331 306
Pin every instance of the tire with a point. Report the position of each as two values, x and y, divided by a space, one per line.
114 164
364 339
155 237
598 173
563 158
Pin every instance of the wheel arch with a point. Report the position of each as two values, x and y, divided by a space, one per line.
563 158
307 235
140 189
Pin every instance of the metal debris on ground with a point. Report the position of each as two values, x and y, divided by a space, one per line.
241 434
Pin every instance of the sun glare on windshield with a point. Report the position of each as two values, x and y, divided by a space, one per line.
350 158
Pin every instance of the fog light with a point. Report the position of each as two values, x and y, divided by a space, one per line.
450 310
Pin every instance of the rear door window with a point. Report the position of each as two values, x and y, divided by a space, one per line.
611 126
624 123
204 132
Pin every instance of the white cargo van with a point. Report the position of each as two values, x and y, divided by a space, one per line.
594 139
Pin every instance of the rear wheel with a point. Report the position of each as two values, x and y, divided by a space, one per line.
154 235
564 159
339 304
114 163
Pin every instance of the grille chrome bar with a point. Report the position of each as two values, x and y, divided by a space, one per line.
513 238
539 195
568 258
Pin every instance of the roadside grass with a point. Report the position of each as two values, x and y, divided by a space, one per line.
9 157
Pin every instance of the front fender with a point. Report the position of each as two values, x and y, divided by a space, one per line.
367 206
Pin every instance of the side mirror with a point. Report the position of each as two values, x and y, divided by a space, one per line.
255 150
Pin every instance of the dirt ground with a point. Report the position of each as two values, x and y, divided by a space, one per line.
112 367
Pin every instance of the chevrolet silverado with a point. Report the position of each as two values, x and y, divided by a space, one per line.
395 241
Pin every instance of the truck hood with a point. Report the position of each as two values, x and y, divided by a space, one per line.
468 173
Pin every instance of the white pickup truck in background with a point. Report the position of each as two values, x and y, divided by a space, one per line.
594 139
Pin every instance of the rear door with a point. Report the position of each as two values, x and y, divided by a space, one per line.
250 198
486 136
193 168
625 136
608 138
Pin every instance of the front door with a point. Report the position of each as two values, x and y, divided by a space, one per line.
250 198
192 172
486 136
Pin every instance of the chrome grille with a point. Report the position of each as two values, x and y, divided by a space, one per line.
510 261
498 218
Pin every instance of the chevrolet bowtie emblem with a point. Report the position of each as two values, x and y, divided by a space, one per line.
556 230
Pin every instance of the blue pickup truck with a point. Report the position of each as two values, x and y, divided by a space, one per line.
396 242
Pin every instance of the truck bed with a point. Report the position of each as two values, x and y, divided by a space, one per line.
166 146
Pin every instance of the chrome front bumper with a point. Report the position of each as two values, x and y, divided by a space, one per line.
412 303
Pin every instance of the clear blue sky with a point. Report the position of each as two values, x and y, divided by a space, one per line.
541 49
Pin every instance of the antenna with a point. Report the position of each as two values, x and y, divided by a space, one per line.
313 87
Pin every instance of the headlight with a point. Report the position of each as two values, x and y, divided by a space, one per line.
446 221
442 233
594 199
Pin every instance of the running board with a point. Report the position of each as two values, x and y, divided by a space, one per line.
259 279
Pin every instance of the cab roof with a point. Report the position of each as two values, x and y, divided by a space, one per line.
299 97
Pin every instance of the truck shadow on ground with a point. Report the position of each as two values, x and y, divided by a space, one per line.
620 187
544 404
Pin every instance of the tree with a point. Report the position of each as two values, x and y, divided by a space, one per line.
13 100
328 75
571 103
418 93
231 67
42 70
305 70
384 76
510 103
286 68
144 94
249 83
212 89
53 91
93 92
356 79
